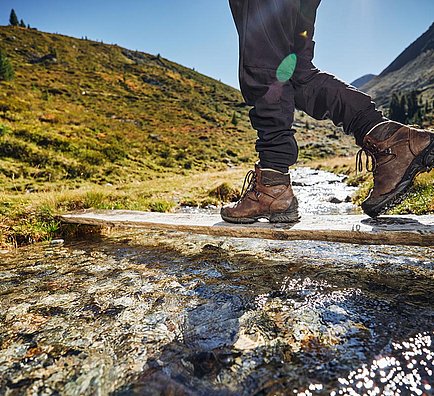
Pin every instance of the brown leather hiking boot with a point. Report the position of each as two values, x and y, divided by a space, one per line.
268 196
398 154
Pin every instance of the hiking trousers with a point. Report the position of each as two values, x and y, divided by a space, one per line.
277 75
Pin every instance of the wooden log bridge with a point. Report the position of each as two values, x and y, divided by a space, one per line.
357 229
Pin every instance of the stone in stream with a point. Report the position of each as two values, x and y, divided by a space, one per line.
57 242
394 230
335 200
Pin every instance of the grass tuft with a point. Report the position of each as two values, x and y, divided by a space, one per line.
224 193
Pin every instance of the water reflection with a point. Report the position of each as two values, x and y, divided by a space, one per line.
409 367
167 313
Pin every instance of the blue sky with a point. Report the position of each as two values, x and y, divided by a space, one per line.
354 37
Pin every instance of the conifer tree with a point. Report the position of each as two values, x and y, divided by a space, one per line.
405 108
13 19
22 24
413 107
397 108
6 69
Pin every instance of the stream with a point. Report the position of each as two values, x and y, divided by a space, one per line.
165 313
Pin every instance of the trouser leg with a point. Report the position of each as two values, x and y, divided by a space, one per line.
266 33
270 30
322 95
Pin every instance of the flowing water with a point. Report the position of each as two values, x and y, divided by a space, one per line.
166 313
318 192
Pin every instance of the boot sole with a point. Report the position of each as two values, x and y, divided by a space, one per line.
422 163
289 216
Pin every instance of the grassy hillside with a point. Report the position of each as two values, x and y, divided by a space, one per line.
82 111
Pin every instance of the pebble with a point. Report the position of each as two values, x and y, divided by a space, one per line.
57 242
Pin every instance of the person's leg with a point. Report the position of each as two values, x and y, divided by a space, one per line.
322 95
265 28
266 37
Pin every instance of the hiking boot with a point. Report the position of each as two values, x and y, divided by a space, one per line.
398 154
268 196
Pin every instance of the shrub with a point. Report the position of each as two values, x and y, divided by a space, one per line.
224 193
6 69
3 130
161 206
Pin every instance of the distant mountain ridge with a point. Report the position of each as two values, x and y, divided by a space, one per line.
363 80
412 70
423 44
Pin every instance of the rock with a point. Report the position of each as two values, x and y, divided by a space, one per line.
57 242
335 200
49 58
298 184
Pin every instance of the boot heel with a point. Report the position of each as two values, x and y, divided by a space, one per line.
289 216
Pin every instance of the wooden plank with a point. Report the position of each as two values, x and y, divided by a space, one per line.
392 230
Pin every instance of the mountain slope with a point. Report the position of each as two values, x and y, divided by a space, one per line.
83 111
80 109
412 70
423 44
363 80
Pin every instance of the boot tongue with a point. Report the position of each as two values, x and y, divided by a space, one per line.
385 130
274 178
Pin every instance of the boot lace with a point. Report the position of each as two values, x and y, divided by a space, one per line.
373 154
249 183
370 162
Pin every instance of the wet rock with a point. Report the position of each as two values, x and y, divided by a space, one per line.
299 184
57 242
46 59
335 200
